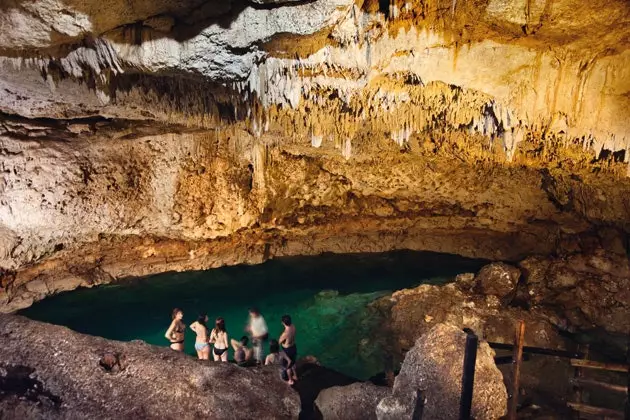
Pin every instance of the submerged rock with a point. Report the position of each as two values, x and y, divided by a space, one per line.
434 366
47 371
357 401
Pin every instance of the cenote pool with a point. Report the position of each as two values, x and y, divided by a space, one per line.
326 295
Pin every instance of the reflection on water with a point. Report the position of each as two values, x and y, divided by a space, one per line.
326 296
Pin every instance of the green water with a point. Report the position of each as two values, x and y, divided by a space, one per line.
326 296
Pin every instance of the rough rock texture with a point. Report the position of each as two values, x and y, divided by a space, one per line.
434 366
161 135
498 279
351 402
411 313
48 371
590 289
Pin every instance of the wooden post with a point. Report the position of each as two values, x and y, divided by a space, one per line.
468 376
579 375
627 415
518 358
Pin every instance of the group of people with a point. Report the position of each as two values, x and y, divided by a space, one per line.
282 352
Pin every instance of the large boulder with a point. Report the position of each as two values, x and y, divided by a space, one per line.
357 401
587 289
413 312
434 366
498 279
48 371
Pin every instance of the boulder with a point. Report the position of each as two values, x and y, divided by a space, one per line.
357 401
434 367
48 371
413 312
586 289
498 279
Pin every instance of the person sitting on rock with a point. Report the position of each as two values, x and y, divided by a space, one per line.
287 339
175 332
201 342
273 358
242 353
219 338
279 358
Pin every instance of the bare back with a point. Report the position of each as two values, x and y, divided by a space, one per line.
219 338
287 339
201 331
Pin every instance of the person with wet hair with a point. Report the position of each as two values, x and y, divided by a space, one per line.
219 338
175 332
287 340
242 353
258 329
201 342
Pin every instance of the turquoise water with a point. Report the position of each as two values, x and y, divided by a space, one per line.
326 296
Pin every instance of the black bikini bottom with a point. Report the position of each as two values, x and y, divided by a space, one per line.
219 352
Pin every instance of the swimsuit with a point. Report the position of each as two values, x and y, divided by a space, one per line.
178 330
200 346
219 352
291 352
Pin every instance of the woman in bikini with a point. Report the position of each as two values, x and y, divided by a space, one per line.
219 338
201 343
175 332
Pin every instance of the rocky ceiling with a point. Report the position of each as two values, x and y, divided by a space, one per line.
138 137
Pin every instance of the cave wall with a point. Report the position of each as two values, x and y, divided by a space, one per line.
173 136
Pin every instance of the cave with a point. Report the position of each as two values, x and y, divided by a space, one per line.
149 144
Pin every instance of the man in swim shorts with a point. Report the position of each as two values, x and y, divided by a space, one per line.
287 340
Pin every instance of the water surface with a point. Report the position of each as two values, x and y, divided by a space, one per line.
326 295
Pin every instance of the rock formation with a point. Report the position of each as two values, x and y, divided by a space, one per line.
187 135
48 371
351 402
434 366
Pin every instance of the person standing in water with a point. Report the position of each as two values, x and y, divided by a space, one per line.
259 332
175 332
287 340
219 338
201 342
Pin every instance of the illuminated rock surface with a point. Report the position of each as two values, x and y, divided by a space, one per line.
188 135
49 371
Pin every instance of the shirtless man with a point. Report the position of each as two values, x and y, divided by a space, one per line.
258 329
201 342
175 332
287 340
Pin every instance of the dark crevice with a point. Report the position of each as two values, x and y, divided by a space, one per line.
18 380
